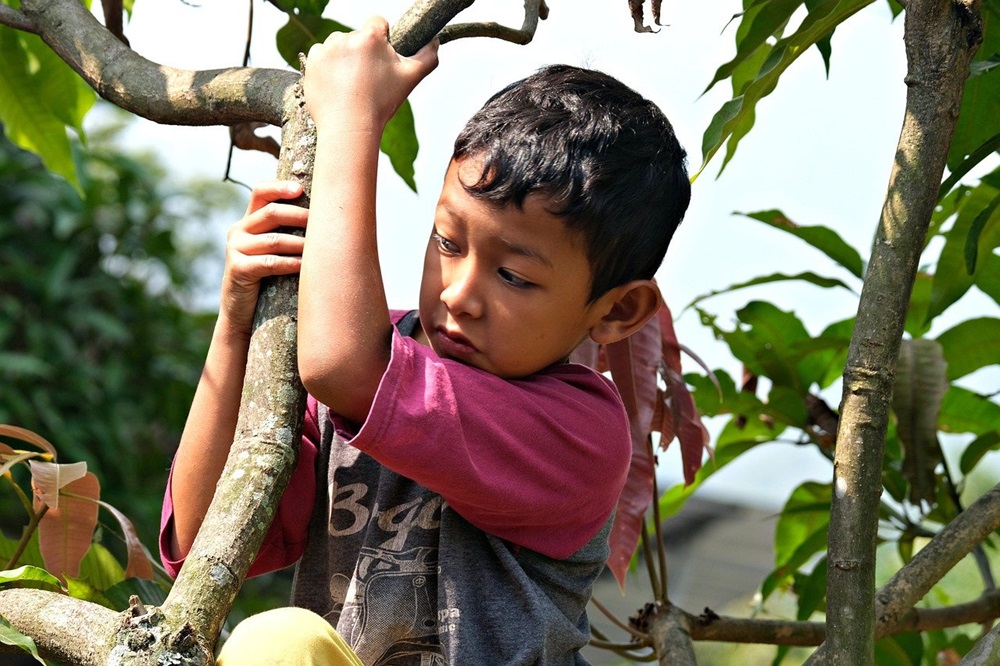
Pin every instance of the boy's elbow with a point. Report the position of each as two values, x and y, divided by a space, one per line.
339 386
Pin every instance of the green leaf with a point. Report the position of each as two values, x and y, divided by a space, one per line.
733 441
916 400
26 115
971 345
981 98
800 533
920 299
31 574
976 231
824 239
399 142
899 650
811 590
301 32
977 156
11 636
150 592
735 117
978 448
761 20
809 277
308 7
83 589
65 93
965 411
951 278
100 568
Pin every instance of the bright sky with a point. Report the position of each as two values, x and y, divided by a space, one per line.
821 151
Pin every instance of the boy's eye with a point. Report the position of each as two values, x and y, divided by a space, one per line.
514 280
444 244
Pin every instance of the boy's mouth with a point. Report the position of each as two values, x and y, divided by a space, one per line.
453 343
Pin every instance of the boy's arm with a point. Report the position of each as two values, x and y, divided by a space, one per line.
254 249
353 84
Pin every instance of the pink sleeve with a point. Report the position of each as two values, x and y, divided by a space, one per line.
539 462
286 540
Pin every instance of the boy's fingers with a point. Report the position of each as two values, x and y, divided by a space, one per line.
378 25
427 57
273 190
272 215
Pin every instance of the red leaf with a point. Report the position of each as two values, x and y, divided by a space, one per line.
65 533
633 363
671 347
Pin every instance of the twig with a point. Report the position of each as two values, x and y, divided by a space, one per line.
661 548
36 517
638 635
12 18
533 11
647 556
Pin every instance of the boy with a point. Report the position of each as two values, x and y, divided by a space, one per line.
467 473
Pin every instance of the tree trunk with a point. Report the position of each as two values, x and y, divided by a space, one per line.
941 38
184 631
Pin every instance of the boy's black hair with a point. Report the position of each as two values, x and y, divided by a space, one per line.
606 157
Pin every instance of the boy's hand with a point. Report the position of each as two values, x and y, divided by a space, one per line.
257 248
357 80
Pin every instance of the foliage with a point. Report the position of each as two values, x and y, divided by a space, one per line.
97 346
58 537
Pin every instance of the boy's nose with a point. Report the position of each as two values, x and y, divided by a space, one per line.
460 294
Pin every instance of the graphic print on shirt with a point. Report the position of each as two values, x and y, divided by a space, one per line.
393 593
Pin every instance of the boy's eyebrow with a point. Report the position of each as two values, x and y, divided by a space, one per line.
525 251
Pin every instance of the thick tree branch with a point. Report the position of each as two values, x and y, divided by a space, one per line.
159 93
64 629
941 38
533 10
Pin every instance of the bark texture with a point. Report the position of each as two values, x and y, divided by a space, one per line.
941 38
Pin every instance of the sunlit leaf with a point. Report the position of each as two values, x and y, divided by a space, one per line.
85 590
11 636
920 385
65 533
399 142
48 479
32 574
732 121
101 568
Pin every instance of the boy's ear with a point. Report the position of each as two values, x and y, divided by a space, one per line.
629 307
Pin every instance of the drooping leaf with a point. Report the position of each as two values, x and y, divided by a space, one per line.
979 223
65 533
971 345
951 278
824 239
735 117
26 435
633 362
978 448
138 562
399 142
11 636
811 590
807 276
48 479
920 385
976 157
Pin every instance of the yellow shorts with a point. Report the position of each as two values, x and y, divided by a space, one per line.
286 637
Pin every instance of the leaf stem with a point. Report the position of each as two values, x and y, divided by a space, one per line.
29 529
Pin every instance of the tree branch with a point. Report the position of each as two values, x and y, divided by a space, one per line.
64 629
934 560
159 93
941 37
12 18
533 11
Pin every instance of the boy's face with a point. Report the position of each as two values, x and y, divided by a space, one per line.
503 289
